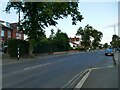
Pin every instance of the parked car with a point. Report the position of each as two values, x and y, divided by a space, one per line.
109 51
4 49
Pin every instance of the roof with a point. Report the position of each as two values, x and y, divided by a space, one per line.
14 25
3 26
2 21
8 25
74 39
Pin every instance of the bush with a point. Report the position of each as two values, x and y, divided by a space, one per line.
42 47
80 49
13 47
4 43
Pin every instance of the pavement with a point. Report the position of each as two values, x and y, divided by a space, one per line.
102 77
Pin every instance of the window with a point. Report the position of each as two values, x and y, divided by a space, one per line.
2 33
9 34
18 35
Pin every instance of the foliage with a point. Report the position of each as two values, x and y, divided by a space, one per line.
80 49
87 34
105 45
4 43
115 43
37 16
13 47
43 46
60 41
97 36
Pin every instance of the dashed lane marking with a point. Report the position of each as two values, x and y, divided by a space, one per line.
37 66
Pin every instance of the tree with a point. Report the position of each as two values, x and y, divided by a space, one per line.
87 34
52 34
115 43
105 45
37 16
97 36
61 41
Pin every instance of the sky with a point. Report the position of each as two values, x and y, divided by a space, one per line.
102 16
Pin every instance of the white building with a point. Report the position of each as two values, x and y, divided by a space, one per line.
74 42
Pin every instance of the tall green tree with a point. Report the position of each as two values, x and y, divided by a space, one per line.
61 41
89 33
115 43
38 16
105 45
85 35
97 36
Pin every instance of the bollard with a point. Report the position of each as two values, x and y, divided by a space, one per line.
18 56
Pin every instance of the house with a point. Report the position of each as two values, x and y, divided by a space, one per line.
74 42
9 30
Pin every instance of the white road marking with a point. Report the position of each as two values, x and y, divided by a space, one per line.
80 74
102 67
37 66
48 63
79 85
44 64
75 78
71 80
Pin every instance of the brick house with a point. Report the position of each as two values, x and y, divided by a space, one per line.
9 30
15 33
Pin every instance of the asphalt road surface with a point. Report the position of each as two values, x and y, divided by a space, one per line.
52 72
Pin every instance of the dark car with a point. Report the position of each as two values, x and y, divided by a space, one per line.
4 49
109 51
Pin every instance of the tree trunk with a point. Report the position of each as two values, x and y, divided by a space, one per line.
31 42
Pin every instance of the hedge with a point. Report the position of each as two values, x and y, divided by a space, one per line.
13 47
42 47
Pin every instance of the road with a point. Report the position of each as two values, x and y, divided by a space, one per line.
52 72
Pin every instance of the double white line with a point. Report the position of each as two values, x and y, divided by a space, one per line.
80 84
82 81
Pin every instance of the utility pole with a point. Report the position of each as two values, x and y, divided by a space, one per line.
114 30
0 34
